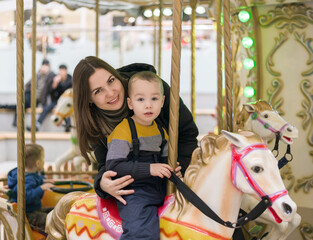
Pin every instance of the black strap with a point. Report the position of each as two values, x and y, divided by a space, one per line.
275 149
162 134
206 210
135 140
286 158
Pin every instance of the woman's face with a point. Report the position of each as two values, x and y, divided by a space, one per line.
107 92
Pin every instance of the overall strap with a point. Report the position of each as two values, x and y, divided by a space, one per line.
159 124
135 140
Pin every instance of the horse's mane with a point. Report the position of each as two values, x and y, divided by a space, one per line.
243 116
200 157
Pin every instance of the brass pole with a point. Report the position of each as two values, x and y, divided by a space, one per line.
227 59
20 119
193 4
174 93
220 103
154 41
160 39
97 28
34 77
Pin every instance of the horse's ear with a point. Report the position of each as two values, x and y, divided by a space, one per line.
249 107
235 138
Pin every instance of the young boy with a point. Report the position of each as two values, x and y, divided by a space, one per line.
35 185
149 167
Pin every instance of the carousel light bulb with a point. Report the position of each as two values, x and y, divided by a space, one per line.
244 16
248 92
167 12
156 12
200 10
147 13
247 42
131 20
188 10
248 63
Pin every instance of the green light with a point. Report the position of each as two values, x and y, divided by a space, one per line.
247 42
248 63
244 16
248 92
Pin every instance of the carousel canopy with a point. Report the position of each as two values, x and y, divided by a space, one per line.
132 7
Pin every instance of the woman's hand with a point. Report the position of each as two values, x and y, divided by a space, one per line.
115 187
178 171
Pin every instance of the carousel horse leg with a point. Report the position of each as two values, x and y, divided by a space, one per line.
78 161
68 155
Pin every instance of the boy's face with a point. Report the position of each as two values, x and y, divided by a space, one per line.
41 162
145 100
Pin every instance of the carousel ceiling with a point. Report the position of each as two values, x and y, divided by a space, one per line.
133 7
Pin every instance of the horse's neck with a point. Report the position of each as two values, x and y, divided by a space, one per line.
214 186
73 126
249 127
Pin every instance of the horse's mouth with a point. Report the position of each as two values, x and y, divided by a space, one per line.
287 140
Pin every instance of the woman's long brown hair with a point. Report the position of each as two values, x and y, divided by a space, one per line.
92 123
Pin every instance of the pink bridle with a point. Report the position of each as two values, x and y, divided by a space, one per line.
237 162
254 116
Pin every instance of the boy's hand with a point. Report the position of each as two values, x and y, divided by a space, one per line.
49 181
178 172
160 170
47 186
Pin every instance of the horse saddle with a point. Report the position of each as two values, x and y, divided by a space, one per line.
110 218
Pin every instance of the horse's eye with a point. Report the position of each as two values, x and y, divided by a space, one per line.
257 169
69 105
266 115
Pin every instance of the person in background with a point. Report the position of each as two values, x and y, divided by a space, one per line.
147 164
56 86
44 76
100 93
35 185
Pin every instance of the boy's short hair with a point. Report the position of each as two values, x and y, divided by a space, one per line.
147 76
32 154
45 62
63 66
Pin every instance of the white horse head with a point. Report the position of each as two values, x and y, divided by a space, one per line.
64 108
260 118
221 171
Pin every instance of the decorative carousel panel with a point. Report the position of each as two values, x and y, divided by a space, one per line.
286 66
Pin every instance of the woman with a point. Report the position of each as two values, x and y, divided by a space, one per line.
100 93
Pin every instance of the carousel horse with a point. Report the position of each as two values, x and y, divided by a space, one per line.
260 118
222 169
63 110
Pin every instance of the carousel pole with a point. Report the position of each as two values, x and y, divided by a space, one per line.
174 93
227 59
160 39
97 28
20 119
33 82
154 40
220 103
193 4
